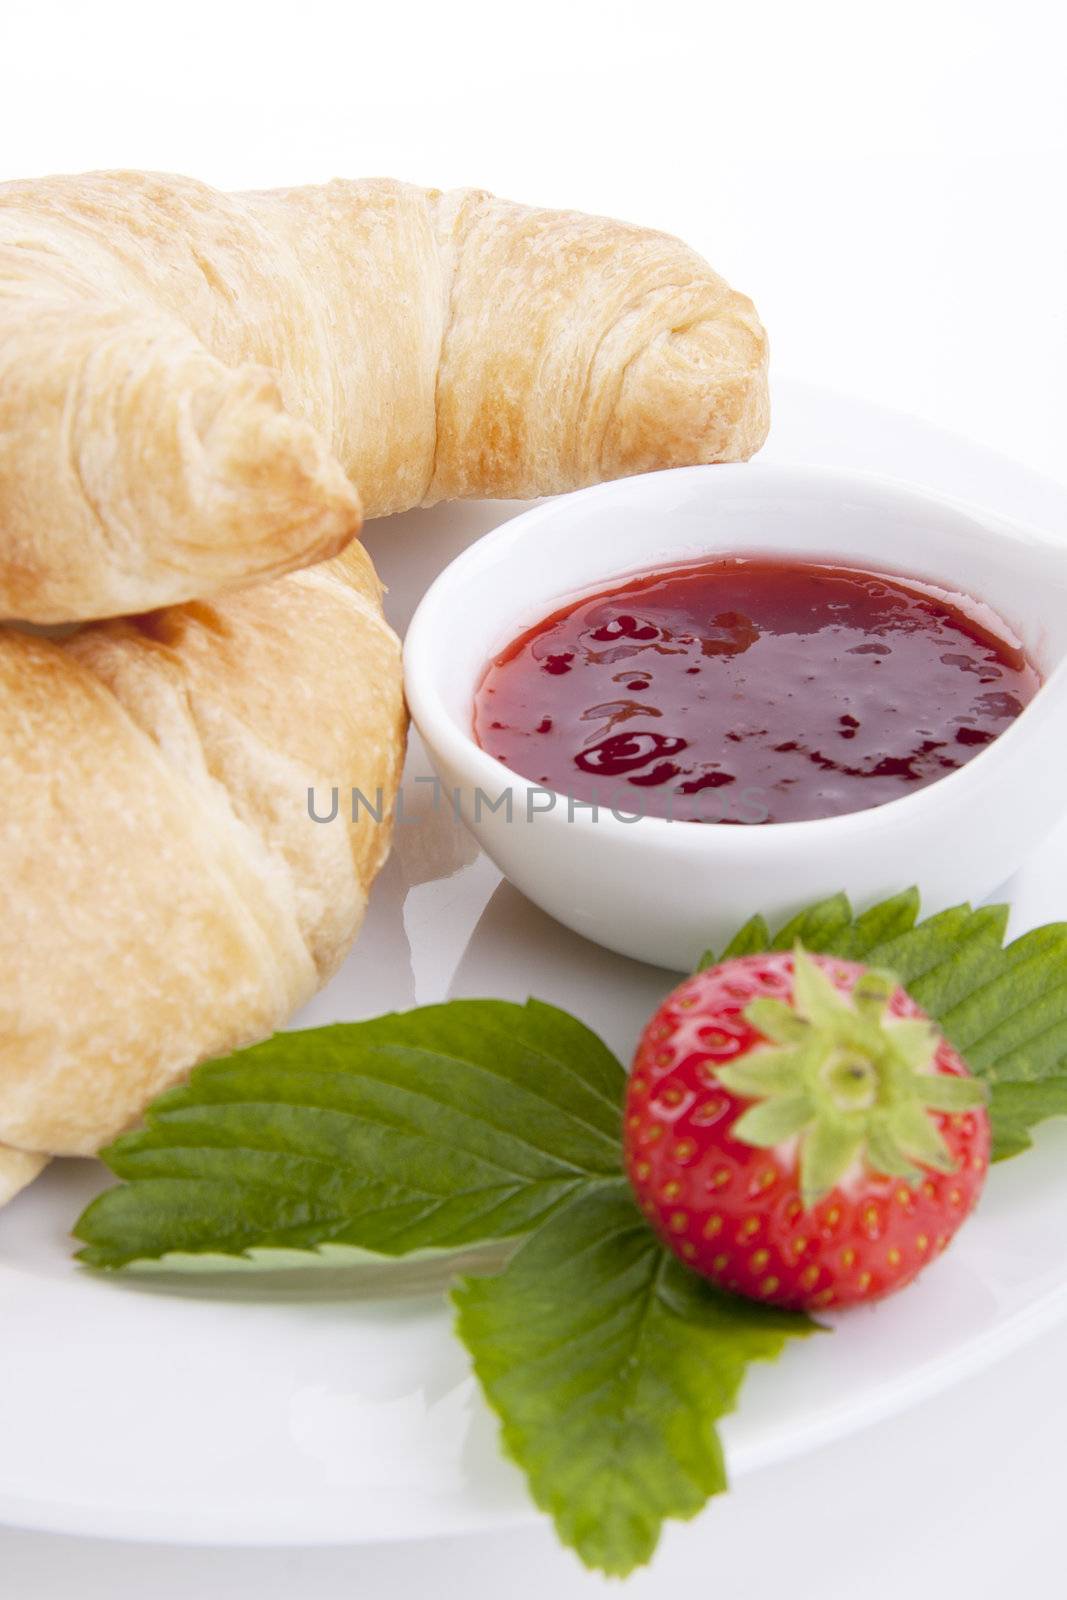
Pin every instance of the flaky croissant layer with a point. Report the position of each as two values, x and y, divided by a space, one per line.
198 390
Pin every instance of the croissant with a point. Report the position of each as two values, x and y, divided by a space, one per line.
198 390
168 896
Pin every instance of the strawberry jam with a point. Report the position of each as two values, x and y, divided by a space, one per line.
752 689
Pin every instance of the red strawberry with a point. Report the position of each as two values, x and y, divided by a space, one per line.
797 1130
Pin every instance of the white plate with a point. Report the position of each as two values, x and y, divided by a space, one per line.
313 1408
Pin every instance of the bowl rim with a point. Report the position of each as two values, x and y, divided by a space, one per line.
439 727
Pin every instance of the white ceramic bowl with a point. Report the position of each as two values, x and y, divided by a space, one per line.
663 891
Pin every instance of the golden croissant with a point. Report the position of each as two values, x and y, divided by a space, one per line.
200 390
167 895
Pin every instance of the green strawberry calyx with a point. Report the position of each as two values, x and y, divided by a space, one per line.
847 1079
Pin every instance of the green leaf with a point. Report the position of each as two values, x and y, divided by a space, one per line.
443 1127
820 928
608 1365
828 927
433 1129
1003 1007
1015 1108
941 959
881 924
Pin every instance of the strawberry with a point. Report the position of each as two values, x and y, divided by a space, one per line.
797 1130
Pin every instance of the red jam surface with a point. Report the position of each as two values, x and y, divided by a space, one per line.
751 689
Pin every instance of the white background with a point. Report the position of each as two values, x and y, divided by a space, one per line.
888 182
